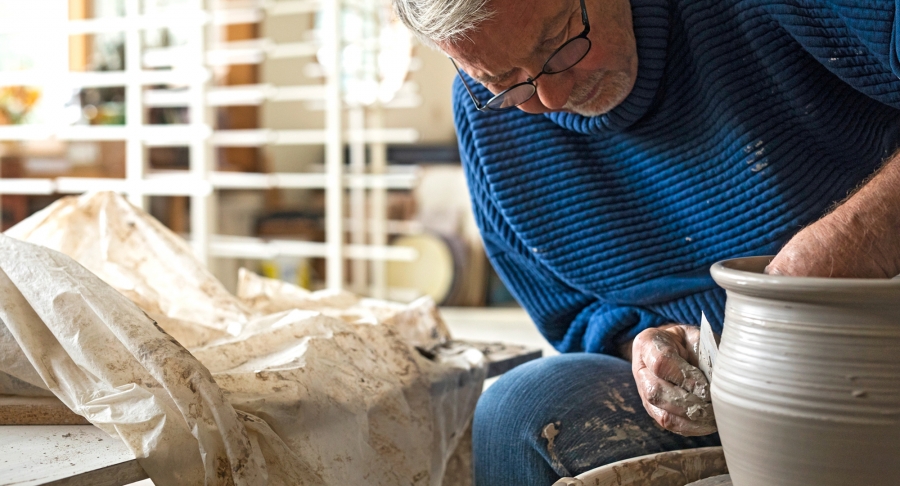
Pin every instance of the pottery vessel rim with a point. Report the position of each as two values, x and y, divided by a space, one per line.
746 276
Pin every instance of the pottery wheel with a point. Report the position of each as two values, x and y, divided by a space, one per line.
723 480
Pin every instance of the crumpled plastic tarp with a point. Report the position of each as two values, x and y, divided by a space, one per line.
277 385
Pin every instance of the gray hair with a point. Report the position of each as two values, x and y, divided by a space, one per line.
434 21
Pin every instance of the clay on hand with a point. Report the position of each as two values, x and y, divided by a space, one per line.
673 390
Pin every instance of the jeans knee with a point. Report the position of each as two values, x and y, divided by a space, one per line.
527 398
561 416
514 391
545 376
518 417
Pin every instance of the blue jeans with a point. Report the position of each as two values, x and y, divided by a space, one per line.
561 416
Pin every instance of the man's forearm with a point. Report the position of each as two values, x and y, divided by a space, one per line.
859 238
876 206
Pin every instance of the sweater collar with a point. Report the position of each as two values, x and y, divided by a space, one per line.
651 31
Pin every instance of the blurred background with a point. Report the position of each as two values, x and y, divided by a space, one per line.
305 140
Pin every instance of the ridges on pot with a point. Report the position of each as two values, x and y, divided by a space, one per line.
806 388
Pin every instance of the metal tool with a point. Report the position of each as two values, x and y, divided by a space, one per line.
709 348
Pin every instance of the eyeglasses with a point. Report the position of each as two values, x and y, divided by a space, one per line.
568 55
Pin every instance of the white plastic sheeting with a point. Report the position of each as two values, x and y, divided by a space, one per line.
276 385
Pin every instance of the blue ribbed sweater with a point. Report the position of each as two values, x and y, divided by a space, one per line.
748 120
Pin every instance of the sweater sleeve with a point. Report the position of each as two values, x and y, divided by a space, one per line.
570 320
858 40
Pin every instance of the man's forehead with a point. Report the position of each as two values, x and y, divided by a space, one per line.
510 37
475 57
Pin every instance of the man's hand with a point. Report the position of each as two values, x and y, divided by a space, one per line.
842 244
859 239
674 391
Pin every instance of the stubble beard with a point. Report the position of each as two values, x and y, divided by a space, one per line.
614 87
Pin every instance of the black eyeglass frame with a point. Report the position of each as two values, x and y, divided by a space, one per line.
530 81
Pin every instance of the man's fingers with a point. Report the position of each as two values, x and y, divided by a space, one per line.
680 425
674 392
661 355
672 399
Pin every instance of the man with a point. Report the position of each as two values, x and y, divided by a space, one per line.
645 140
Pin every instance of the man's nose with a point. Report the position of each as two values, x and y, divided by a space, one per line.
554 90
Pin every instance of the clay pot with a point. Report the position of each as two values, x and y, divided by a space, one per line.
806 386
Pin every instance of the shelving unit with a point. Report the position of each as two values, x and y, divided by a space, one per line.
190 76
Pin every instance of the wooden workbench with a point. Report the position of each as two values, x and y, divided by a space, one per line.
64 455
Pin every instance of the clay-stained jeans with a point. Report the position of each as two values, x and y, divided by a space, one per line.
561 416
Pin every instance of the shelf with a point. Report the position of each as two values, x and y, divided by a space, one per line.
227 54
172 18
252 95
232 16
257 248
176 135
155 186
297 93
406 97
287 50
100 79
168 186
177 17
251 12
35 187
271 7
175 184
262 136
401 100
181 77
285 180
151 135
392 226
